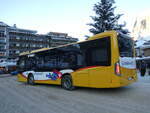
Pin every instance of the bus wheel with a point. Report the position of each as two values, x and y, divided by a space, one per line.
30 79
66 82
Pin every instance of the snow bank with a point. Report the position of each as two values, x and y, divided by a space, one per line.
144 79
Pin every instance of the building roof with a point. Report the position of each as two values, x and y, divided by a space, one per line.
57 33
14 29
3 24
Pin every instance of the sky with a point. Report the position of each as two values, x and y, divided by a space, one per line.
66 16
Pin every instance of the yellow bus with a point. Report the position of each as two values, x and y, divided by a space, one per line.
105 60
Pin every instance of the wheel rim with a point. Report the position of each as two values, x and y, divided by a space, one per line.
67 83
31 79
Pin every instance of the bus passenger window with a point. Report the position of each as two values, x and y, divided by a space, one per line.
99 56
99 52
80 60
64 61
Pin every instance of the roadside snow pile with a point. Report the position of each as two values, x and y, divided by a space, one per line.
143 42
139 43
144 79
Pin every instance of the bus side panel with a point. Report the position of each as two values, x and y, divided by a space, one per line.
46 78
57 82
115 81
81 78
100 77
21 78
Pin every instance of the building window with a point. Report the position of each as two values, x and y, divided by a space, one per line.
14 45
14 52
34 45
2 34
17 45
17 52
18 38
27 45
26 38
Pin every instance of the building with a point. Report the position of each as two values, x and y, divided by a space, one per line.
2 39
141 34
14 41
60 39
143 50
141 28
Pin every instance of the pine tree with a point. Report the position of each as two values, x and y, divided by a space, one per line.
105 18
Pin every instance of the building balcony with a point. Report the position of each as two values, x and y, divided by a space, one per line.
2 37
27 41
2 49
2 54
2 41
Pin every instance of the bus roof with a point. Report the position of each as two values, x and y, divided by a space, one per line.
24 53
38 50
100 35
104 34
33 51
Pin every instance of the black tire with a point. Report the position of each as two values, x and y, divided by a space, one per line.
67 83
31 79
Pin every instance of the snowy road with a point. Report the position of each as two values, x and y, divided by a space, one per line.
16 97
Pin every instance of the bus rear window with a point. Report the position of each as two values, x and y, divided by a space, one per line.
125 46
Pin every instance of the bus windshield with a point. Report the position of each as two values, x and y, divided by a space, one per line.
125 46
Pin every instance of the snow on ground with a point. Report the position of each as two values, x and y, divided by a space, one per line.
144 79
